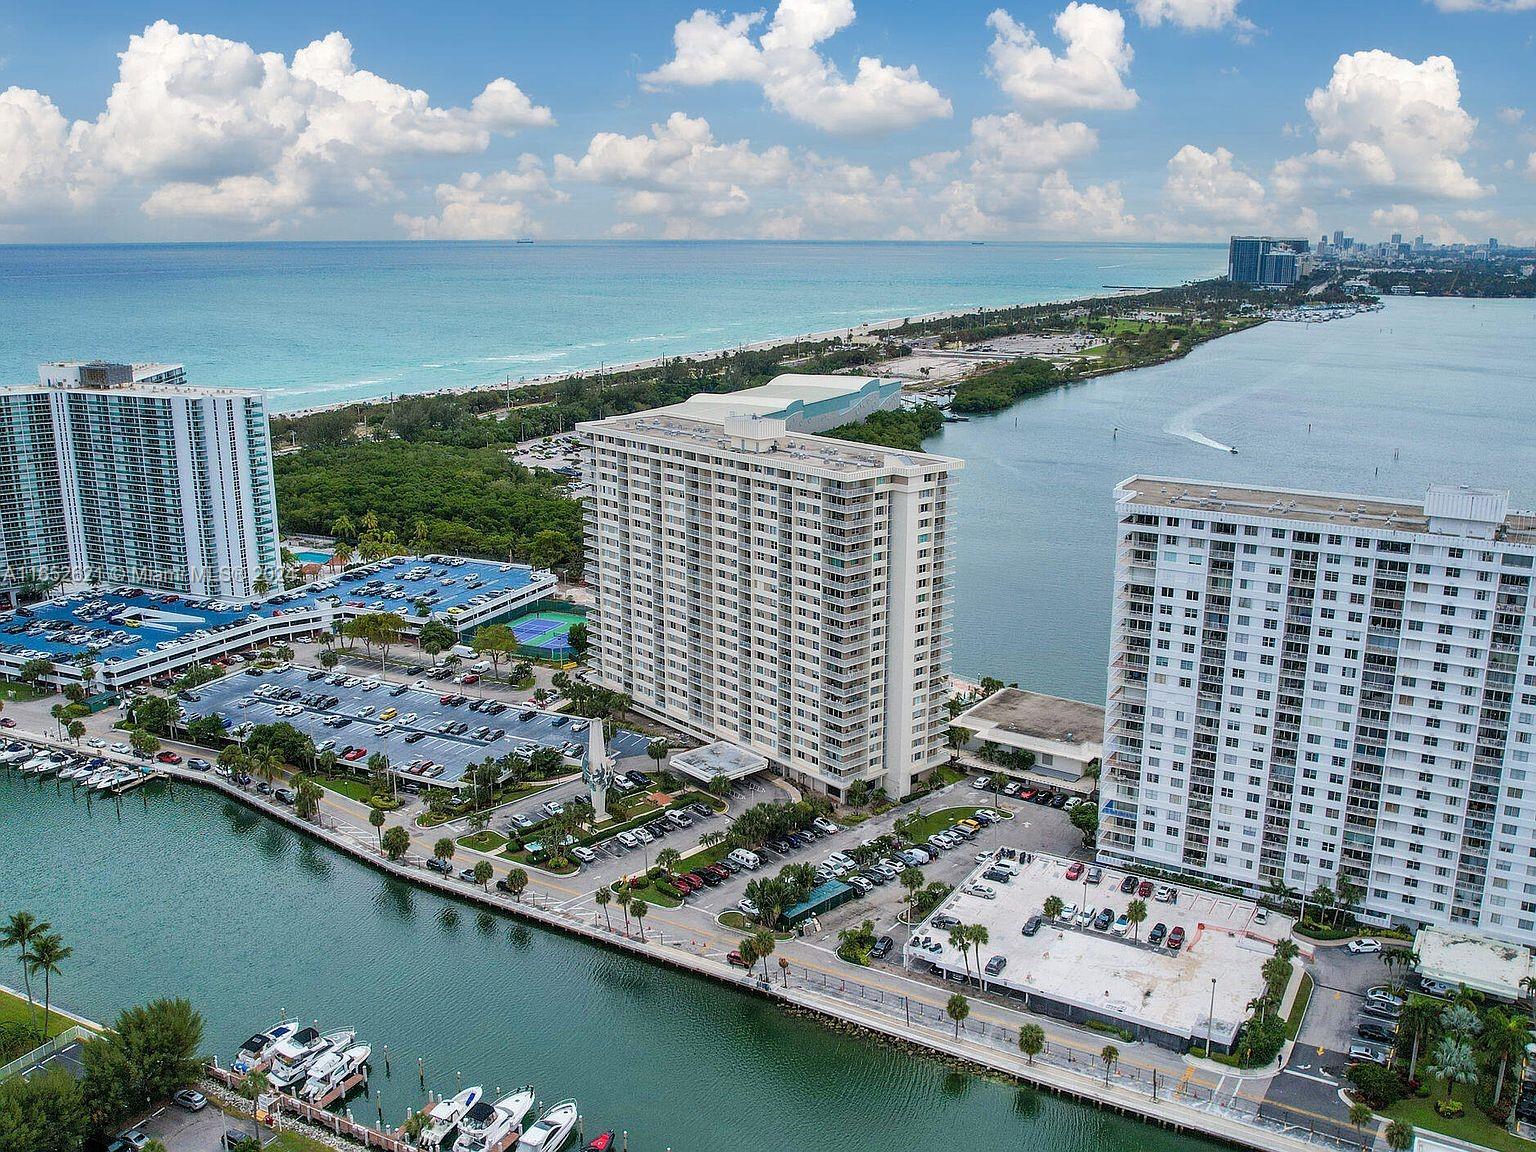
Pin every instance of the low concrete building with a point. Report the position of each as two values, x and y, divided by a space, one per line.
1062 737
1491 967
722 758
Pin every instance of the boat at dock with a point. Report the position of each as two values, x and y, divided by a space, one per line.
334 1074
256 1051
553 1129
493 1127
444 1116
293 1057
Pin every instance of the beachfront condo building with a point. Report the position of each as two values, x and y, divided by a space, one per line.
1267 261
784 591
1310 687
123 474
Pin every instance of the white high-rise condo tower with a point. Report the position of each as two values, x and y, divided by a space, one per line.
1308 686
123 474
785 591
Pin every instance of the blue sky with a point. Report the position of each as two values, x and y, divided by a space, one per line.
1122 119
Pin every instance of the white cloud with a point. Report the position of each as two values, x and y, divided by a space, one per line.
1407 218
1192 15
34 158
493 207
208 128
1096 210
1010 143
1386 122
1089 73
1484 5
796 79
1209 188
678 173
1511 115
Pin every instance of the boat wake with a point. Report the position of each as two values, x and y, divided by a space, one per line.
1182 424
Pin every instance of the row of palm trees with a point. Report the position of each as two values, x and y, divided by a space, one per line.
43 953
630 905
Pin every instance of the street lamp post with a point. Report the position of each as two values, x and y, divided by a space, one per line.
1210 1019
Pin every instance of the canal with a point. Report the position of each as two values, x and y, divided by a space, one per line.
184 892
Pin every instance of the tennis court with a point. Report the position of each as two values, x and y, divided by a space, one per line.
545 632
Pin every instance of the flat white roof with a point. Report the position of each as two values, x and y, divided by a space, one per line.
1117 977
772 398
722 758
1489 966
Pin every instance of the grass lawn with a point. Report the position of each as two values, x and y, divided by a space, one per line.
938 821
13 1009
348 786
1472 1126
1299 1007
16 690
295 1142
651 895
484 841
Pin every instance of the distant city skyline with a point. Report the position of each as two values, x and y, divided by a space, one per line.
1137 120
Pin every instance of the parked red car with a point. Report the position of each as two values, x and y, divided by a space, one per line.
1074 870
469 678
7 722
695 880
1144 889
684 885
735 959
168 757
355 754
445 698
1176 938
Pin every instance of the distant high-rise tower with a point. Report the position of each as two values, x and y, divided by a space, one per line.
1265 261
122 474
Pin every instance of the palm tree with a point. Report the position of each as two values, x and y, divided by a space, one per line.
47 955
784 969
1053 907
1031 1041
1400 1136
603 897
763 943
376 817
978 935
483 873
1419 1013
1136 915
252 1085
957 1010
960 938
669 858
517 882
1111 1056
1453 1062
1360 1114
912 881
22 931
638 908
1505 1037
443 849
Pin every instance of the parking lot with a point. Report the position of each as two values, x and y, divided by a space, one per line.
357 715
202 1131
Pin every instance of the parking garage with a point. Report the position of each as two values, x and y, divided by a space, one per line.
421 724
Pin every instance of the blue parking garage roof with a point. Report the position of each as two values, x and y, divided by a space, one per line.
123 622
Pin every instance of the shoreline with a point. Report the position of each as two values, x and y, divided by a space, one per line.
868 327
831 1003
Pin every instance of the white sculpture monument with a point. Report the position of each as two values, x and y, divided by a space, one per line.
598 770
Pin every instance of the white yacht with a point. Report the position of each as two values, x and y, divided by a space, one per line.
333 1070
99 777
493 1127
553 1129
292 1059
444 1116
255 1050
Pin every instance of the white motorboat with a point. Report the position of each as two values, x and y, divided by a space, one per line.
35 763
97 778
255 1050
118 776
333 1070
293 1057
493 1127
553 1129
75 772
444 1116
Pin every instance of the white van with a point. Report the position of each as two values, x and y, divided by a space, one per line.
748 860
